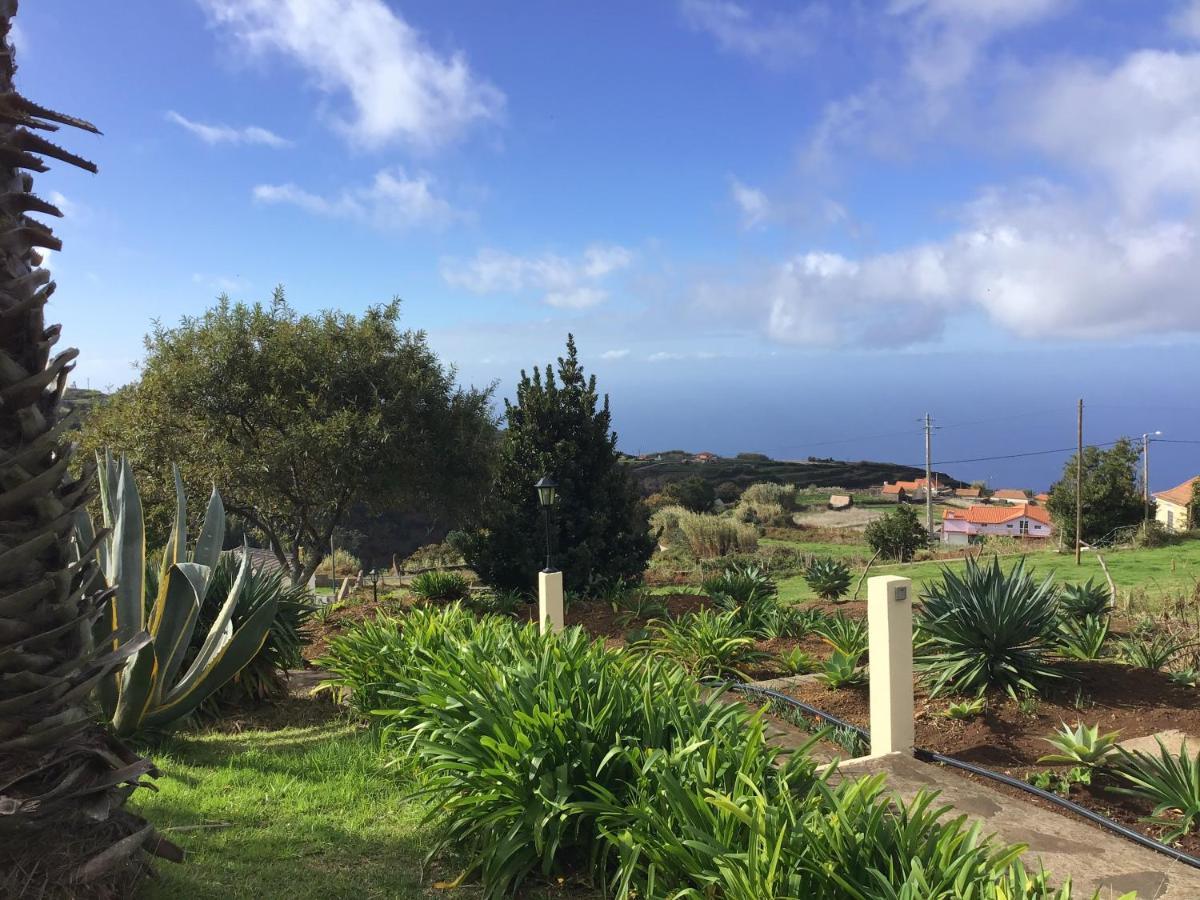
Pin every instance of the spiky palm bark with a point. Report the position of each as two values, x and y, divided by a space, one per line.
63 779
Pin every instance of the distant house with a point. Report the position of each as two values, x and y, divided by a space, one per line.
968 493
1173 508
1042 498
1010 495
840 501
902 490
705 457
1025 521
265 561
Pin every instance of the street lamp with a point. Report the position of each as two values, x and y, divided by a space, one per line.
547 493
375 585
1146 474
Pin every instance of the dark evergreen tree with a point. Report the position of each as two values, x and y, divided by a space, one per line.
559 426
1111 498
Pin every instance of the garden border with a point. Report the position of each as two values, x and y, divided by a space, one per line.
930 756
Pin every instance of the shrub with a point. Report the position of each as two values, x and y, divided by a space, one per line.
433 556
1080 746
347 564
987 630
897 534
1170 782
750 595
1083 638
440 587
693 493
705 643
709 536
1088 599
849 636
265 676
828 578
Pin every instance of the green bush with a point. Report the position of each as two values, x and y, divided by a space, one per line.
987 630
705 643
828 578
708 536
440 587
897 535
1088 599
265 676
347 564
550 756
1083 638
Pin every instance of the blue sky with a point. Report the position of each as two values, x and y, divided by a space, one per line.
785 227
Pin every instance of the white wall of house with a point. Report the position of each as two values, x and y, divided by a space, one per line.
1171 516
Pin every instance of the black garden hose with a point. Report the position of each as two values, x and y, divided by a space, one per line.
929 756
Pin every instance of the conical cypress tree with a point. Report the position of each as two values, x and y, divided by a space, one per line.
560 426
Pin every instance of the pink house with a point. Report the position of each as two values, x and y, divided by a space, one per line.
1024 521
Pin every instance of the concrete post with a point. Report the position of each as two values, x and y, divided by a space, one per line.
550 601
889 617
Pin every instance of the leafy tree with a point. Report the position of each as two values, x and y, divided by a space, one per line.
1194 506
558 426
692 493
1111 498
897 535
299 418
728 492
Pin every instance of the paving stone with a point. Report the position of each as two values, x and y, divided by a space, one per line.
1173 740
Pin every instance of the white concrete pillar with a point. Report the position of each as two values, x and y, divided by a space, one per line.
550 601
889 618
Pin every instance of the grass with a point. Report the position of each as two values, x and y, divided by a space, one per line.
821 548
1154 574
300 811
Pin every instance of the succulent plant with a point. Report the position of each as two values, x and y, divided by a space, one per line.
828 578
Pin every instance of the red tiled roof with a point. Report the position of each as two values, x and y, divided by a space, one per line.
1010 494
997 515
1181 494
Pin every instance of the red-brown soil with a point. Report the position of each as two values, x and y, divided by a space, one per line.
1135 702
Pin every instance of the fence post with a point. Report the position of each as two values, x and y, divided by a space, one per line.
889 620
550 601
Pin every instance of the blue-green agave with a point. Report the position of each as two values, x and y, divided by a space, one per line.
153 689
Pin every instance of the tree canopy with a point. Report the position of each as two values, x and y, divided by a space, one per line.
1111 498
298 418
559 426
897 535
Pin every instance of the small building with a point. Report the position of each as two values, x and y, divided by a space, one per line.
840 501
1011 495
1173 508
705 457
1042 498
968 493
959 526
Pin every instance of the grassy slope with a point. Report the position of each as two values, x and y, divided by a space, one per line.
1156 573
314 814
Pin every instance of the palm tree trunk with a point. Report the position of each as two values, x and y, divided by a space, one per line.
63 779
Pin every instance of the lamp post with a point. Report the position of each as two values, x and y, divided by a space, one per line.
1146 474
375 585
550 579
547 493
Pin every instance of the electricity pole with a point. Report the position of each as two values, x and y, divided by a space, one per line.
928 476
1079 488
1146 475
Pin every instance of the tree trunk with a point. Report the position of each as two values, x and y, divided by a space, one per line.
63 779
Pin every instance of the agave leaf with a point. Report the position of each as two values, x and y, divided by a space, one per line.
212 535
230 659
181 599
127 560
219 635
136 683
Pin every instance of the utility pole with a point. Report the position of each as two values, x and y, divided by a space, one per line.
1146 475
1079 488
928 475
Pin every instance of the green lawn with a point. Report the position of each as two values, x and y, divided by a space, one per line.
821 548
1150 576
307 811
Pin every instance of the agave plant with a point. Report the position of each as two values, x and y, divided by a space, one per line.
750 595
1083 638
705 643
154 689
437 586
844 634
987 630
63 780
1082 745
1088 599
828 578
1170 781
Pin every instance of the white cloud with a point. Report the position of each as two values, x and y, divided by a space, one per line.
615 354
1186 19
400 89
679 356
775 41
227 134
393 200
1136 125
752 203
562 282
226 284
20 40
1038 264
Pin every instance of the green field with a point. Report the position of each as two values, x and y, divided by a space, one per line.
297 812
1148 577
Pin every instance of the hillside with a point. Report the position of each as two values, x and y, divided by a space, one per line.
658 469
81 400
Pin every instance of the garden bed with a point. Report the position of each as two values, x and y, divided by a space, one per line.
1009 737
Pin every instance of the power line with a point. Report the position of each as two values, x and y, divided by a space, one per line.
952 462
